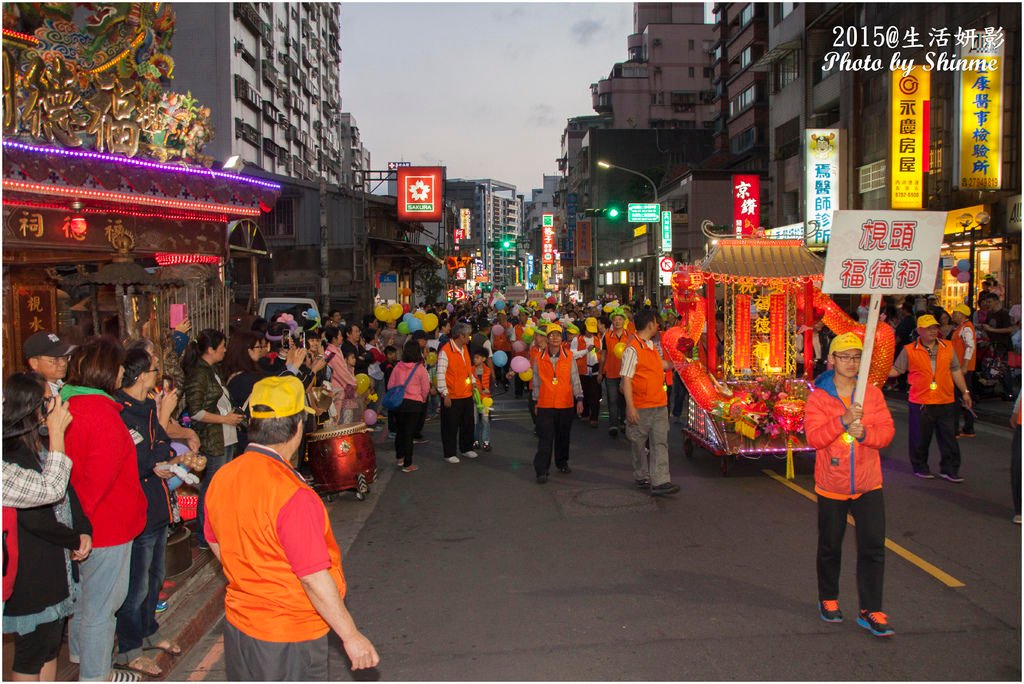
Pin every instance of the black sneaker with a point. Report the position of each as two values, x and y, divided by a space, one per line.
642 484
951 478
541 479
564 469
420 440
613 432
924 474
664 489
829 611
875 622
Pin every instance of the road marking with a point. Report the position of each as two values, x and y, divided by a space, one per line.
913 558
215 654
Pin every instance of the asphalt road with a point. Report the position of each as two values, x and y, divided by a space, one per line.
474 572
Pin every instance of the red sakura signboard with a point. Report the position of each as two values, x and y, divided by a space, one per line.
420 193
746 204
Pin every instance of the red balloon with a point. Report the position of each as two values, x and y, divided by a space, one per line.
552 300
954 271
405 308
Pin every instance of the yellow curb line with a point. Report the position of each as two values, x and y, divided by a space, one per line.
943 577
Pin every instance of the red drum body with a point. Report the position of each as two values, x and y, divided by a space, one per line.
342 458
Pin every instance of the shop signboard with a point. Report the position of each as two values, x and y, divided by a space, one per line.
666 231
35 310
515 294
388 289
638 212
981 115
584 250
821 182
910 121
746 204
420 193
463 229
548 239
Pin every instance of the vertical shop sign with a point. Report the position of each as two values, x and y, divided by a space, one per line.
35 310
741 336
548 239
911 102
777 337
584 253
746 204
821 182
981 117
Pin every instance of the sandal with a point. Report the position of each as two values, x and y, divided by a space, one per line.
143 665
120 675
167 646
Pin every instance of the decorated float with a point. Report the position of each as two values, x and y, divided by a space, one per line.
750 402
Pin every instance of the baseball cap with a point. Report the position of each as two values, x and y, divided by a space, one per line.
573 329
591 324
963 309
554 327
284 395
927 321
45 343
845 341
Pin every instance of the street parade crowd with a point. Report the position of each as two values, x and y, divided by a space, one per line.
96 440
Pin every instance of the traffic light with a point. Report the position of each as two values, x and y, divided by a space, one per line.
507 244
612 212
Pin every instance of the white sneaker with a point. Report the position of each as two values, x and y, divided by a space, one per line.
1016 519
452 459
470 454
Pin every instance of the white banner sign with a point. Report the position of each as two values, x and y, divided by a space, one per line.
883 252
515 294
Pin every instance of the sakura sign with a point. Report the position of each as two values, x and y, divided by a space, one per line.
420 193
883 252
746 204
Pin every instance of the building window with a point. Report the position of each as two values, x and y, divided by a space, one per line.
744 141
747 14
693 72
872 176
280 221
785 71
744 100
691 45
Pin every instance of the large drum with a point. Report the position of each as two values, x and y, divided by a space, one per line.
342 458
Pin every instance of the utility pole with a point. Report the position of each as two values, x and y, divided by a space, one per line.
325 281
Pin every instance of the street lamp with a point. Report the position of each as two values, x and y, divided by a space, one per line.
654 188
982 219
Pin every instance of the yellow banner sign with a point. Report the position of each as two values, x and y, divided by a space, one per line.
981 117
911 96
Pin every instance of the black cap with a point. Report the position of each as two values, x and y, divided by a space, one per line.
45 343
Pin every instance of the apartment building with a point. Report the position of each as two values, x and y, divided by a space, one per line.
496 210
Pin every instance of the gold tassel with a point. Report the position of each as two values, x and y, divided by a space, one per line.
790 473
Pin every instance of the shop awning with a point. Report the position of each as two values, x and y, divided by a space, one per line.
774 55
398 249
763 258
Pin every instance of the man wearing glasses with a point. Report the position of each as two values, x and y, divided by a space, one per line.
847 437
47 355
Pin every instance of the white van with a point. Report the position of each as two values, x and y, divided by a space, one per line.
272 306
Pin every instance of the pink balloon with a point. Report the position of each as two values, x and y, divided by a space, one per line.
963 277
520 364
370 417
498 330
450 307
518 346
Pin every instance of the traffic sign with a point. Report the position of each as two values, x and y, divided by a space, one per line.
643 213
667 264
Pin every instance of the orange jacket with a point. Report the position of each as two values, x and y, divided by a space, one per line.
458 378
612 363
649 376
921 376
842 470
483 380
555 381
960 348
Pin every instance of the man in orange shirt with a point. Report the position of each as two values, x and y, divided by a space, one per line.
556 389
455 386
933 372
610 367
643 386
285 590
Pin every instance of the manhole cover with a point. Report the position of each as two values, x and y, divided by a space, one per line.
605 501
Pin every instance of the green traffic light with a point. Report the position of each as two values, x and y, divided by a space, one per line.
613 212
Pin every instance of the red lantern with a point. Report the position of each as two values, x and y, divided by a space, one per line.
79 227
789 415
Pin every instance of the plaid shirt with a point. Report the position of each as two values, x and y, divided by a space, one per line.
25 488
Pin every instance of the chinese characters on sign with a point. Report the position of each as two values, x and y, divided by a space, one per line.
584 253
420 193
666 231
571 209
884 252
548 239
821 182
981 117
911 102
35 309
463 229
746 204
741 336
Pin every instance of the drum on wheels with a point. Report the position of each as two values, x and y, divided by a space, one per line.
342 458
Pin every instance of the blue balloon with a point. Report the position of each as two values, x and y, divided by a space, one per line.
499 305
500 358
964 265
408 318
414 324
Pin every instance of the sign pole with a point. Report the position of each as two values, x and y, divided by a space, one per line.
869 346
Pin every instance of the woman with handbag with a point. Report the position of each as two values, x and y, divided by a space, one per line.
411 375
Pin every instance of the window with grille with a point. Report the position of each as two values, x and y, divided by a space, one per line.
872 176
280 221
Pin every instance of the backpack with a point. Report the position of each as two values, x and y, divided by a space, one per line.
394 397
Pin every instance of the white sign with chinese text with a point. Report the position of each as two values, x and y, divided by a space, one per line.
883 252
821 182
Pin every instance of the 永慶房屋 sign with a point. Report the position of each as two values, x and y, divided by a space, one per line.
883 252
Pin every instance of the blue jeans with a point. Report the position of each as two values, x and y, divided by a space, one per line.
616 403
136 620
91 631
213 464
482 431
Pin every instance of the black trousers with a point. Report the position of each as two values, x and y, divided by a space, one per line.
553 428
962 413
591 397
248 659
1015 469
457 425
868 512
937 419
421 420
404 420
519 387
